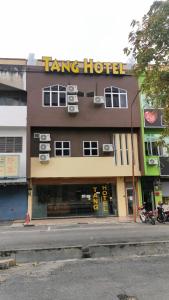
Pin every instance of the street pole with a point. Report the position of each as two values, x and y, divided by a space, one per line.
132 160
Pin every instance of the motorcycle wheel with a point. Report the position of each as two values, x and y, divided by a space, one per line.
160 220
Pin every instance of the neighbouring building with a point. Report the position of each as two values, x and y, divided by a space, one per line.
79 139
155 183
13 118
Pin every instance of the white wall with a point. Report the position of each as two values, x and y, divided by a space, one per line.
13 116
20 132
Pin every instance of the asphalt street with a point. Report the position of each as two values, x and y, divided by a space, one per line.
79 234
141 278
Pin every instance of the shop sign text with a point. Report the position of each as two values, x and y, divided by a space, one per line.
88 66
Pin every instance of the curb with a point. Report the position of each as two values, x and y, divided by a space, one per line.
90 251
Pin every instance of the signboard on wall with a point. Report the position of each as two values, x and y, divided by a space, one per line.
88 66
153 118
9 165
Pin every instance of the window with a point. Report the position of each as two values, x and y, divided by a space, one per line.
115 97
90 148
55 95
152 148
62 148
10 144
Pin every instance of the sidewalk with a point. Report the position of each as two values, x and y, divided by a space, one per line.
75 220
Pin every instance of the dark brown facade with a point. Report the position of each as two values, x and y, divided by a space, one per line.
89 115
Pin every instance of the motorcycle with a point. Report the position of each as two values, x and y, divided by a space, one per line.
162 215
146 216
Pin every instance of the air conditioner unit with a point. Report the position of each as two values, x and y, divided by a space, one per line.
153 161
99 99
36 135
72 99
45 137
44 147
44 157
71 89
107 147
73 109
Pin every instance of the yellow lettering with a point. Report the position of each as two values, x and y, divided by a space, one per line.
107 65
98 67
122 71
95 189
74 67
55 66
46 59
115 68
65 66
104 187
104 193
88 66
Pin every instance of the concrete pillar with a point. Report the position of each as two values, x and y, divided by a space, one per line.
121 197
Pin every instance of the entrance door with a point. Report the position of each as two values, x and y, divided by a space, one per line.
129 196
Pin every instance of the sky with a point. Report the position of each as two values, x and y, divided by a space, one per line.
68 29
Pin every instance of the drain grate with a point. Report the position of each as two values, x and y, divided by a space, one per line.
125 297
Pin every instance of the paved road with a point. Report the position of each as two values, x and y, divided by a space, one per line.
58 236
144 278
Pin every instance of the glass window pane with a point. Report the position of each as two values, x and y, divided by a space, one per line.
86 152
115 100
58 145
58 152
108 100
66 152
122 91
94 151
62 88
62 99
94 144
108 90
123 100
87 144
65 144
54 88
54 99
46 98
47 89
115 90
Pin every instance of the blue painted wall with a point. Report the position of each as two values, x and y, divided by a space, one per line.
13 202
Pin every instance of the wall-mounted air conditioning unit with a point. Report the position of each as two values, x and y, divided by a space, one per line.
73 109
72 99
44 147
45 137
99 100
153 161
107 147
45 157
71 89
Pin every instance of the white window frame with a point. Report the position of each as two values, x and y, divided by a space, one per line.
90 148
119 96
50 94
62 148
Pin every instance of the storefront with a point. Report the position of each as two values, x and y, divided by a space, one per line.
74 200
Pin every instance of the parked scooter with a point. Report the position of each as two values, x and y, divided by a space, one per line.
162 216
146 216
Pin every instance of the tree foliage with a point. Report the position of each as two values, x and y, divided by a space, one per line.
149 45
